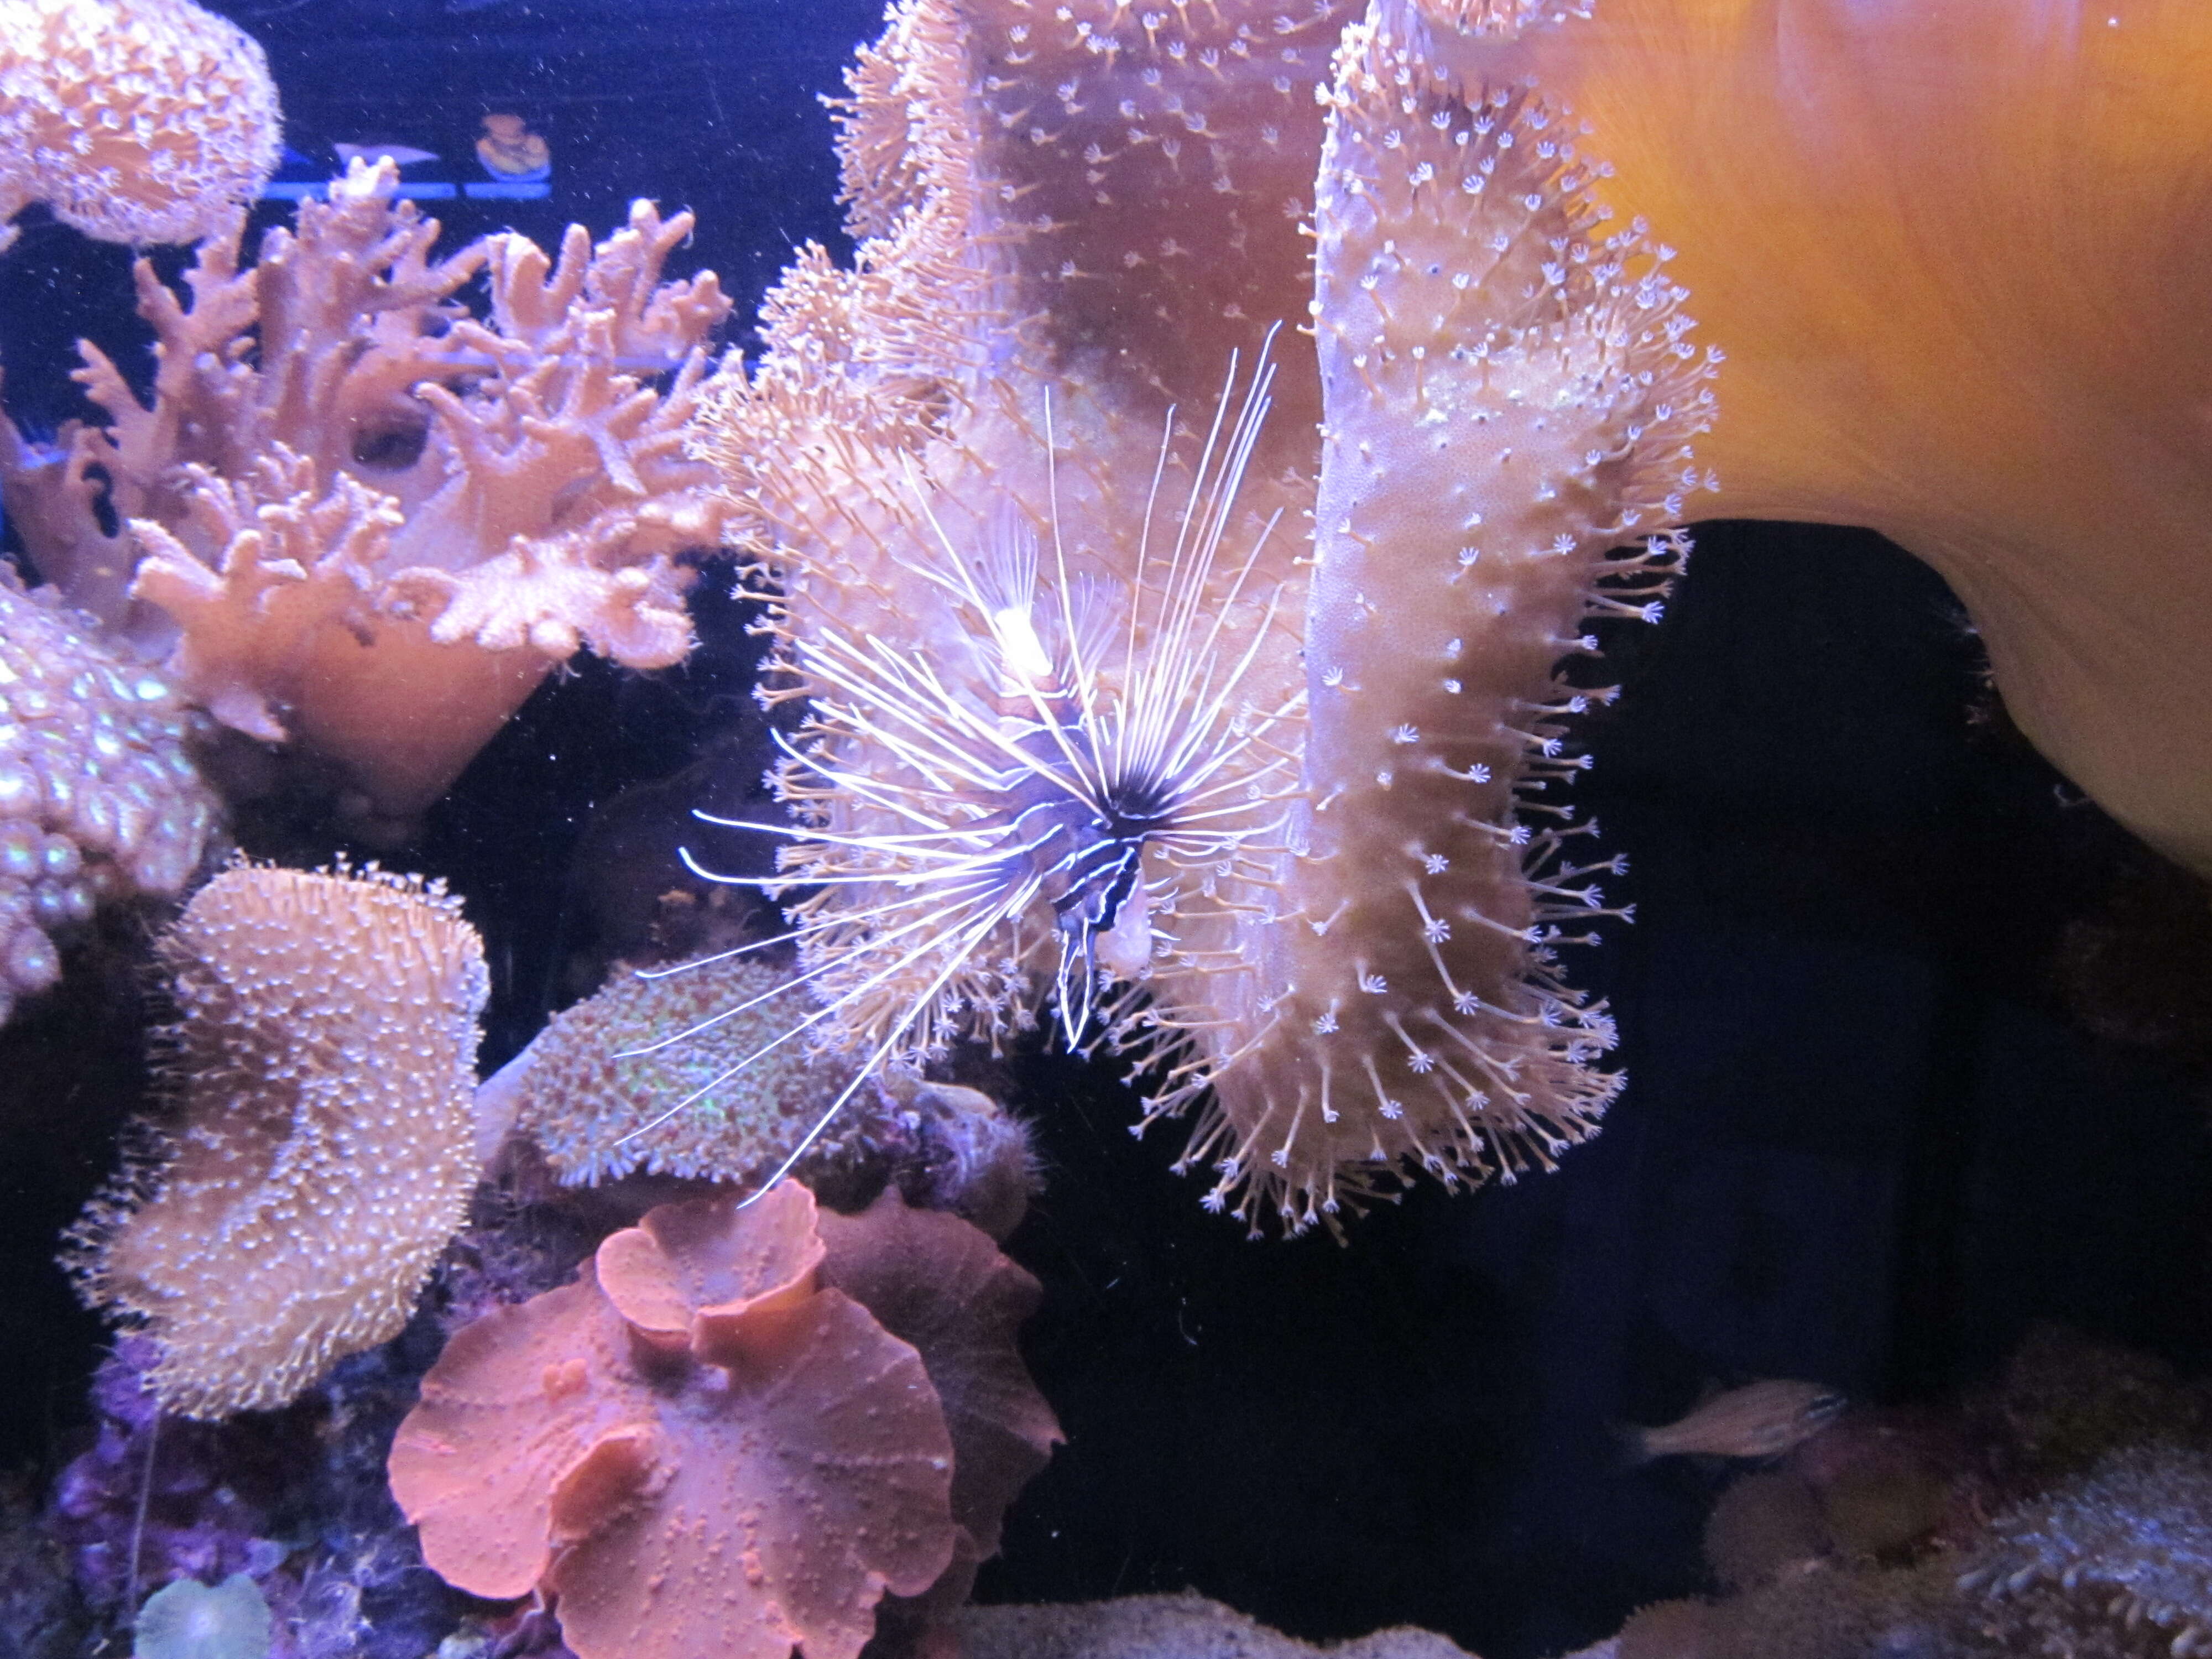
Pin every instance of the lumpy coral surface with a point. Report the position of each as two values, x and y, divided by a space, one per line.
99 797
137 120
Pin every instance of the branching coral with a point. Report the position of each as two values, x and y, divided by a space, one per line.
1083 724
98 797
699 1446
137 120
325 1151
371 523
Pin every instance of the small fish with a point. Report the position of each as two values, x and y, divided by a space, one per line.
401 155
1762 1420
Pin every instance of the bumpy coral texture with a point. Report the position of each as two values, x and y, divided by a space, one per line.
362 522
1507 392
99 799
695 1447
1291 878
325 1149
135 120
598 1105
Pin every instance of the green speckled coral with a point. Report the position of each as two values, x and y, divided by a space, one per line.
580 1093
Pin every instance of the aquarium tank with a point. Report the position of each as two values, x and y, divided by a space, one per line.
1106 828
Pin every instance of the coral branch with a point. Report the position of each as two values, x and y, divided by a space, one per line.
370 522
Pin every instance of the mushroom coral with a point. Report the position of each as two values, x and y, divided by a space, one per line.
324 1059
1958 255
935 1282
703 1446
358 520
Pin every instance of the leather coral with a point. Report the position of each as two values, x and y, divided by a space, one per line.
702 1445
325 1149
1296 885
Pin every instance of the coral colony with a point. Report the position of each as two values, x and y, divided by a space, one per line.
1229 778
1182 523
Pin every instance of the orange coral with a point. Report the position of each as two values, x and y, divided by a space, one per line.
137 120
369 523
935 1282
697 1446
1956 255
326 1152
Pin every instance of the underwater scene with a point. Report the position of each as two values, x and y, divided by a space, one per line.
1106 828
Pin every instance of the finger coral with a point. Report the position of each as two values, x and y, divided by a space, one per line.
362 522
99 799
325 1148
1090 726
135 120
697 1447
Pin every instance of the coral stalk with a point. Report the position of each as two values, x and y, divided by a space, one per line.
1508 391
